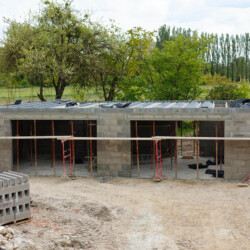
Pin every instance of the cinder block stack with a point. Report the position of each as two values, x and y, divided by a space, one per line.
14 197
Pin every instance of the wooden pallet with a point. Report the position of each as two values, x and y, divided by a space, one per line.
17 222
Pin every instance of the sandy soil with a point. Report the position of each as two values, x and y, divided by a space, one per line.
136 214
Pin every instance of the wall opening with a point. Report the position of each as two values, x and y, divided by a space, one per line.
179 157
49 150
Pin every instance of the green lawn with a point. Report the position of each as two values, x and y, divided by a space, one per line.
30 94
8 95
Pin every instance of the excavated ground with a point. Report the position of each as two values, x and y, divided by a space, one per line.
136 214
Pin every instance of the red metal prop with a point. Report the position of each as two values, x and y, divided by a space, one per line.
159 175
67 171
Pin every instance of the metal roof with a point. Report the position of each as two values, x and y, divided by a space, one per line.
131 105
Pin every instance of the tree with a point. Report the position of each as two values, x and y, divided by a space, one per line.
120 59
46 47
175 72
229 91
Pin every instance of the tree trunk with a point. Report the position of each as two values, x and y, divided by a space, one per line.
40 95
61 84
112 89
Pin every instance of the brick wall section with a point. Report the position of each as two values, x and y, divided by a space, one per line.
237 153
5 146
113 157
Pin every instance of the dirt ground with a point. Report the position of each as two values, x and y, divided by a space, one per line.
136 214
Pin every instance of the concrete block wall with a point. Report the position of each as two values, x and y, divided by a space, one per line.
5 145
237 153
113 157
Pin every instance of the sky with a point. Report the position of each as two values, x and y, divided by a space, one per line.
217 16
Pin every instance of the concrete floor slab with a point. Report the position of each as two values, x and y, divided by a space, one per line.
184 172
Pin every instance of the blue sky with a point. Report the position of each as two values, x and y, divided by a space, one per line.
220 16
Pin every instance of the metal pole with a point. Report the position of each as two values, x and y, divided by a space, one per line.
91 162
137 150
197 150
176 167
35 145
73 144
216 148
154 147
17 147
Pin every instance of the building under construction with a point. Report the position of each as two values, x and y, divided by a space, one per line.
136 139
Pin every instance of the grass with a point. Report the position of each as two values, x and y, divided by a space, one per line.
187 128
8 95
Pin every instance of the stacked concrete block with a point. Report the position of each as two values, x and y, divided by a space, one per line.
237 153
14 197
113 157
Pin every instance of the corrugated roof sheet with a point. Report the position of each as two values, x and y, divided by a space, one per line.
133 105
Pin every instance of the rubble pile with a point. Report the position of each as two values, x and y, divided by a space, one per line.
7 241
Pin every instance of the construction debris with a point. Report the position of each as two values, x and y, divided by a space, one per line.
245 182
242 185
7 238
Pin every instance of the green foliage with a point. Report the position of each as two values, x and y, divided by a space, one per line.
59 47
211 80
46 48
227 55
175 71
187 128
115 66
226 91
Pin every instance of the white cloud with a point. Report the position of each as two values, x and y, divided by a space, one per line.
220 16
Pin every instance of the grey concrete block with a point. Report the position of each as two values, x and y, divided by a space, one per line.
8 215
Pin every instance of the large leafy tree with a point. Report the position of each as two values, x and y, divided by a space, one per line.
118 60
175 71
46 47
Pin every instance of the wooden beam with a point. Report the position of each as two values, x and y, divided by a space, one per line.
35 145
91 161
53 147
197 150
154 147
66 138
221 144
73 143
17 147
137 150
175 151
216 148
194 141
171 147
181 140
31 148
